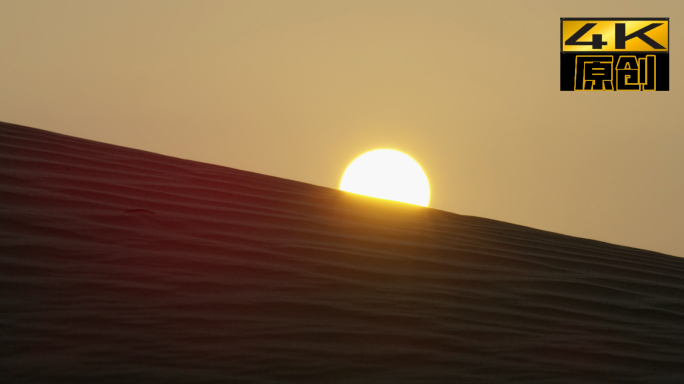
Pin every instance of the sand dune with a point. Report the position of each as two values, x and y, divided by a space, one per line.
119 265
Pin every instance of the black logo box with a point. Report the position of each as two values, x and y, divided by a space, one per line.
568 68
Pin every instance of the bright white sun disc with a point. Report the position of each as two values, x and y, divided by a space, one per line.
387 174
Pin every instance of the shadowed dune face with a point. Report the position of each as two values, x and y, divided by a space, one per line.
121 265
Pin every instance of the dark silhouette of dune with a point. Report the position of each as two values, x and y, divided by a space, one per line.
119 265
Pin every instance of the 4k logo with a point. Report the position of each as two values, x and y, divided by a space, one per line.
615 54
587 35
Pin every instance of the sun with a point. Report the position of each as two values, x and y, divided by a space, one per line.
387 174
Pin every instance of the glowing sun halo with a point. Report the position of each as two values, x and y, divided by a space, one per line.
387 174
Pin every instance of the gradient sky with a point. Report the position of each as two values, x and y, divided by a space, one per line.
298 89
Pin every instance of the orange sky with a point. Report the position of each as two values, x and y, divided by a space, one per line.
298 89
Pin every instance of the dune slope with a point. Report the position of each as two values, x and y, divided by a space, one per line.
119 265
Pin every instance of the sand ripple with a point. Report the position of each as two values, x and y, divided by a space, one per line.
119 265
